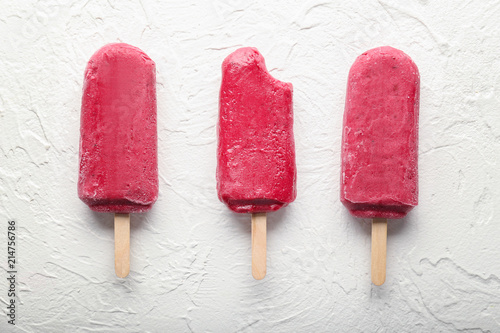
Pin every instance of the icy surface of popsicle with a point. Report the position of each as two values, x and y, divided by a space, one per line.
379 177
256 169
118 139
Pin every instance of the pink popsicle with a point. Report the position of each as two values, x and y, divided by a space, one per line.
118 140
256 154
380 138
379 171
256 170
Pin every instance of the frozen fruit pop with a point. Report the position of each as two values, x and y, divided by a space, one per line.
256 170
118 139
379 176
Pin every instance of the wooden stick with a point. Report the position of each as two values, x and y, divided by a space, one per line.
122 245
379 250
259 234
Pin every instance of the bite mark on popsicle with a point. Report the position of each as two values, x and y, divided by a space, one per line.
256 169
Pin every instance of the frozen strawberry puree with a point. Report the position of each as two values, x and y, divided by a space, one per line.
118 140
256 153
379 177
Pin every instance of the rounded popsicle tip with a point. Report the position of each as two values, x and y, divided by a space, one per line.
385 50
121 50
382 56
117 53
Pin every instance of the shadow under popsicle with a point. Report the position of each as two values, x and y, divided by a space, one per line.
244 222
394 226
107 221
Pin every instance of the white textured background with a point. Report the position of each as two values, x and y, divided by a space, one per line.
190 260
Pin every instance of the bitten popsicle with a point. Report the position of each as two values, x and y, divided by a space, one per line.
118 139
256 170
379 176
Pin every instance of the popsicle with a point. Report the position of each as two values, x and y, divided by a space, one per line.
118 139
256 170
379 171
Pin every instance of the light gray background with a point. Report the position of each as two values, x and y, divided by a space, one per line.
190 256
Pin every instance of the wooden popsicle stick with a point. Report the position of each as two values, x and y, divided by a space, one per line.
259 243
379 250
122 244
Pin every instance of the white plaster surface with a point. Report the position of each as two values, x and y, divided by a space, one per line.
190 256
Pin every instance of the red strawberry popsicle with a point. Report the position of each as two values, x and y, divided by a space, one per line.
118 139
379 176
256 170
